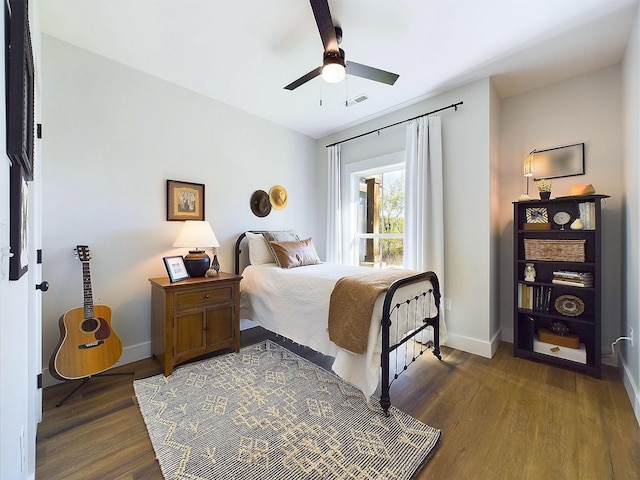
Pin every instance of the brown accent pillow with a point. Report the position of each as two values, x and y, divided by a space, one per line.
295 254
279 236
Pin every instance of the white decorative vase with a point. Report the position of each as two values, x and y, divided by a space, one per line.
577 224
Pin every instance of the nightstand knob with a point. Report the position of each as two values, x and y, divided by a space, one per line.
206 297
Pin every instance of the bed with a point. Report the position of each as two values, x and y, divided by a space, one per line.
301 304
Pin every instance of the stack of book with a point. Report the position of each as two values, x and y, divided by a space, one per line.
587 211
574 279
534 297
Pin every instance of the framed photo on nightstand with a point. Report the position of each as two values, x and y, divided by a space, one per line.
176 268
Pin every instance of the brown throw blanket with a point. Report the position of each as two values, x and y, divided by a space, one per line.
351 306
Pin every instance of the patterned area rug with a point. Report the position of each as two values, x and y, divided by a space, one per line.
265 412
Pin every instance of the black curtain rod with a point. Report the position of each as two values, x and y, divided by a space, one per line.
453 105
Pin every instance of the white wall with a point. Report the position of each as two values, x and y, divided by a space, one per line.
469 267
631 305
584 109
112 137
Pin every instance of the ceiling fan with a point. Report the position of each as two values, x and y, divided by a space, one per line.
334 66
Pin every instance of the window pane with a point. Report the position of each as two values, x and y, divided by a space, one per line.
381 211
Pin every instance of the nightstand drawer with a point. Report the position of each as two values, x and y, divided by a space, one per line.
203 297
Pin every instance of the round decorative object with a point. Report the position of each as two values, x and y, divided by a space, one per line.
260 204
278 197
569 305
562 218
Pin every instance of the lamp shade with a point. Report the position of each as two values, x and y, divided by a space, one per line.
528 164
196 234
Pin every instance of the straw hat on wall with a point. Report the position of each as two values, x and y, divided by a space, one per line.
278 197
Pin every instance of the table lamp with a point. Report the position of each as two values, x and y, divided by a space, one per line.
528 172
196 235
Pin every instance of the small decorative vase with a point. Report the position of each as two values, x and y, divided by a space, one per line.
545 195
214 268
529 273
577 224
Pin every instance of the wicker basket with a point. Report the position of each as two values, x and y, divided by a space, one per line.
554 250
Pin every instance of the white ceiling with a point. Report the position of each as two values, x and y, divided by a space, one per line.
243 52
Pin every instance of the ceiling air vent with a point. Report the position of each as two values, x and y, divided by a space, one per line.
355 100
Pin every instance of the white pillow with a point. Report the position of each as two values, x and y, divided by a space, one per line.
259 251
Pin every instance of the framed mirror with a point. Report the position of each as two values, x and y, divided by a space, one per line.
557 162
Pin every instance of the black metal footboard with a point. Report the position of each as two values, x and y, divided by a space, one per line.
420 307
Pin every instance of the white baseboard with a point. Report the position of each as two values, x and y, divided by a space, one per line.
632 389
472 345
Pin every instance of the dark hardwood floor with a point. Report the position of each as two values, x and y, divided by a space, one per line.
501 418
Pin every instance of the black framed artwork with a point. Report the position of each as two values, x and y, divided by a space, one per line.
19 221
20 86
185 200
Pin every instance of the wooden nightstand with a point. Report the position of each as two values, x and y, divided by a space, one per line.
193 317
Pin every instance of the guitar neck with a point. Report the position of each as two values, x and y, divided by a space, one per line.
88 294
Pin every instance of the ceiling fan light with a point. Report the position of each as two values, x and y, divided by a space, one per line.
333 69
333 73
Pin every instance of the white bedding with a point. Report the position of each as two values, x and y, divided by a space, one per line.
294 303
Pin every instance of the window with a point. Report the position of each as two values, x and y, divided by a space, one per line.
377 213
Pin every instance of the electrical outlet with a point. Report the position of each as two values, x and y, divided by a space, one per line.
447 304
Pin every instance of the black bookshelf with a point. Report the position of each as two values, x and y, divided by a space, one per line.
566 290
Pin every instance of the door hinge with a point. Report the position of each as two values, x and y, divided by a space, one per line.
39 380
39 130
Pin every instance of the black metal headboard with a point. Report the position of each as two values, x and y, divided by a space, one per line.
238 250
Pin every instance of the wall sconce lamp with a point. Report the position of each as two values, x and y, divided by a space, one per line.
528 170
196 235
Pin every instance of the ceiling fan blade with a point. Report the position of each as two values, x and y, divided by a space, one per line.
325 25
304 79
371 73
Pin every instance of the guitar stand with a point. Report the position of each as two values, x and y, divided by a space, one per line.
86 379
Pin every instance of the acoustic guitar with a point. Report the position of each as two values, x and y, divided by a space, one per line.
88 345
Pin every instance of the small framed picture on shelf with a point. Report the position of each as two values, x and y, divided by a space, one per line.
537 215
176 268
537 218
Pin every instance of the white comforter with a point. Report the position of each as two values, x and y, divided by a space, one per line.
294 303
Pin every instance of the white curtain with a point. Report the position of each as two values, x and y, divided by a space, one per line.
334 206
424 203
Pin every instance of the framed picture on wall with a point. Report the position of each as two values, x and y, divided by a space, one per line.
18 220
19 86
185 201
